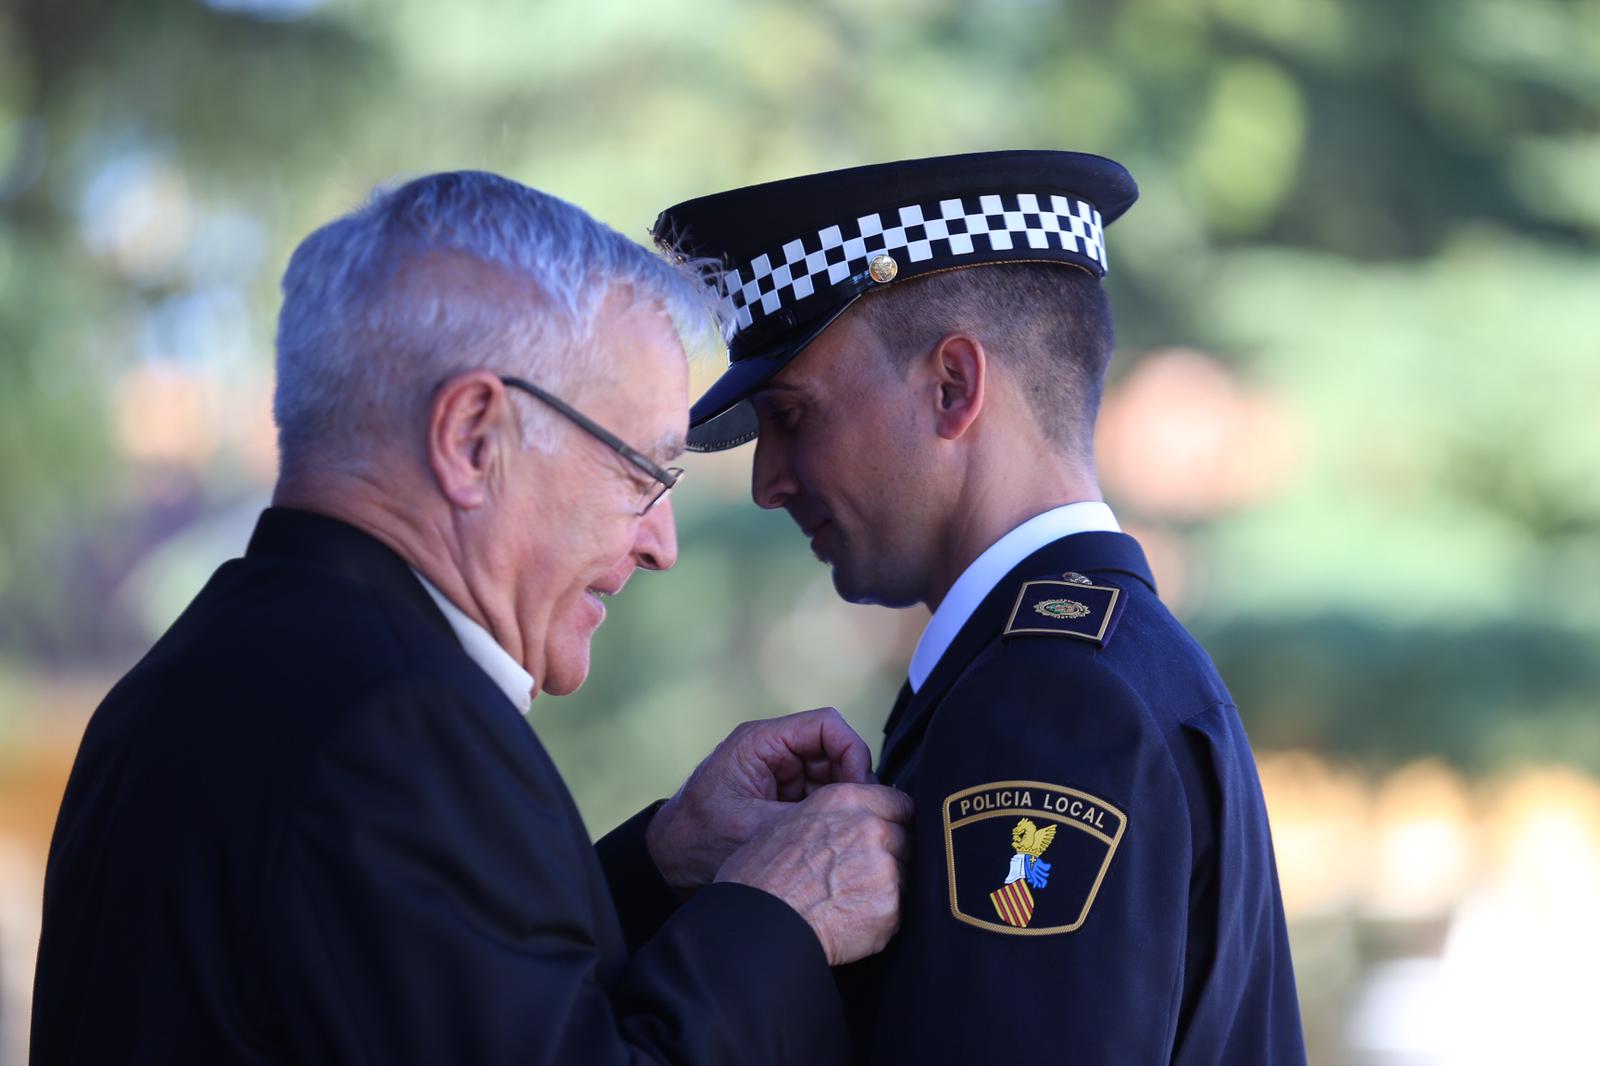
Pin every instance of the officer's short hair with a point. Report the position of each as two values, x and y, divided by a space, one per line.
1047 325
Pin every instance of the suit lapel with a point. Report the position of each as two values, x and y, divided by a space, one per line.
1084 553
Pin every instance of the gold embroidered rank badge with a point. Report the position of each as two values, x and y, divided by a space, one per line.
996 838
1067 608
1061 609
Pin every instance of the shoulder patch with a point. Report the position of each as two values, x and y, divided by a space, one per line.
1069 608
996 839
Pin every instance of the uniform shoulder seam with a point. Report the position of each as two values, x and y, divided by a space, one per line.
1205 709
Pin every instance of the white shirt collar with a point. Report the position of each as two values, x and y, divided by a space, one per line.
979 579
507 674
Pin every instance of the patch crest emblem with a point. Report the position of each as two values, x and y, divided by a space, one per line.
996 836
1061 609
1066 609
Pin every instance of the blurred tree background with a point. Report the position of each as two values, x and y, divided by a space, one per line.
1352 417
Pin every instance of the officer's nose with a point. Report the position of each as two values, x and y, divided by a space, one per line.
772 482
655 545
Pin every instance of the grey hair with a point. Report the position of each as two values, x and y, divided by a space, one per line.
366 334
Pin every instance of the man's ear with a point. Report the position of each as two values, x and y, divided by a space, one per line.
470 427
960 372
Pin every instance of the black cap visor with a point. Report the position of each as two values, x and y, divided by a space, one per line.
723 418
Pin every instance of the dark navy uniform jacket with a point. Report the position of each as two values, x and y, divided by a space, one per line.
306 828
1092 879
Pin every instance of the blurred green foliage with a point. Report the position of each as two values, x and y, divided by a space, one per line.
1383 214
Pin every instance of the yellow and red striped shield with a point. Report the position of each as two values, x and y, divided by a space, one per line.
1014 904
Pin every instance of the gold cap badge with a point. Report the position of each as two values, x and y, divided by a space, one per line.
883 268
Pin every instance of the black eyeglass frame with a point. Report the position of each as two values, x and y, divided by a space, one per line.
665 477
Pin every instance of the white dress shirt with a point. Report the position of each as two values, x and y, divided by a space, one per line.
507 674
979 579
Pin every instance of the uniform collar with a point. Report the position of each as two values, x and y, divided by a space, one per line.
1088 553
507 674
985 572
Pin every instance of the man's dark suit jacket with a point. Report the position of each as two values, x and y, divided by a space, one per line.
307 828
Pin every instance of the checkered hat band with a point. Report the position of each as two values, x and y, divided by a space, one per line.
946 230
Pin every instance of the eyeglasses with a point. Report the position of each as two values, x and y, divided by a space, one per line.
664 479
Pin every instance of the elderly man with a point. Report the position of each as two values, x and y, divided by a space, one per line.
312 825
920 353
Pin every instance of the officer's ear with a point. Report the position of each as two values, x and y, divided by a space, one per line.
960 370
471 431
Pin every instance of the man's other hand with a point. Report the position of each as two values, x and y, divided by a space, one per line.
837 858
750 780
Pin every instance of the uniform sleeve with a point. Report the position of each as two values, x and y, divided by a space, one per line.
1049 889
1239 1003
438 901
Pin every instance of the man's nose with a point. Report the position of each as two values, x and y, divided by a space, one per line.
656 544
772 482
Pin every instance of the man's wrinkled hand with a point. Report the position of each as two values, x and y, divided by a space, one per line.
839 860
750 780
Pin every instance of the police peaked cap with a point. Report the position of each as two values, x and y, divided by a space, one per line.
796 253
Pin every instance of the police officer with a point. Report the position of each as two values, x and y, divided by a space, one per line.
919 352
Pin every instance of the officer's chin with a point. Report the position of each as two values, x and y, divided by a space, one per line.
853 588
845 585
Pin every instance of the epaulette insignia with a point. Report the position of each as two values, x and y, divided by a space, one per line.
1068 608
